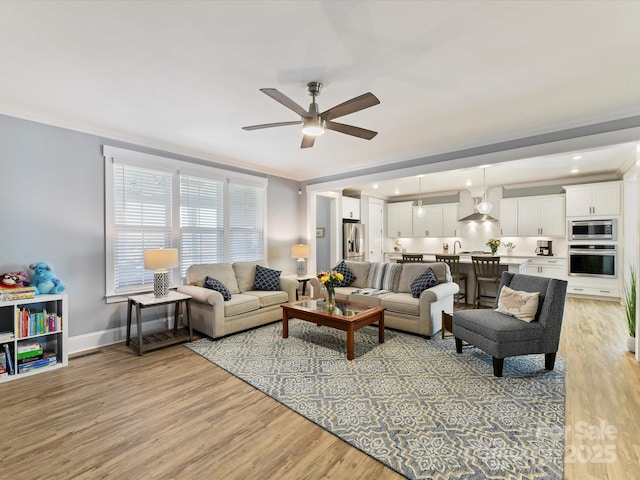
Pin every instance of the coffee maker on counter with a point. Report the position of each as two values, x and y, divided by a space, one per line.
544 248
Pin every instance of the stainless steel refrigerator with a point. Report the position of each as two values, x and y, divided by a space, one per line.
353 238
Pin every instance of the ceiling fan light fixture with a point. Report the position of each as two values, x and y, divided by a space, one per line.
313 128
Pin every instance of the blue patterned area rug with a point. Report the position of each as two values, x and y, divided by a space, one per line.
410 403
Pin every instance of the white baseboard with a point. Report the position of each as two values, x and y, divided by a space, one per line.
88 341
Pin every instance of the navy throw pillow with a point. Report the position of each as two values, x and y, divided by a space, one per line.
348 275
267 279
425 280
218 286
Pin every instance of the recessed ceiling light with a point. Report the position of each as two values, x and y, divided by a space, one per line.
575 170
468 183
576 157
375 186
397 191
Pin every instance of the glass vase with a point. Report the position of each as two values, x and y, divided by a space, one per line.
331 298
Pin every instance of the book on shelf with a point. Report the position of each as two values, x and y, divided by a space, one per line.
3 360
7 352
7 336
30 353
28 346
37 322
8 293
45 362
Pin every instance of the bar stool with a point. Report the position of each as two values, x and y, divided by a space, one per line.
454 265
412 258
487 271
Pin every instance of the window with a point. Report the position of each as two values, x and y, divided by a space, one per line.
201 221
211 215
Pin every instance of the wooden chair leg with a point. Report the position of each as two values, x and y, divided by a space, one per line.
498 363
458 345
549 360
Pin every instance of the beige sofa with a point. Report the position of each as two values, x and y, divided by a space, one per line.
422 315
247 308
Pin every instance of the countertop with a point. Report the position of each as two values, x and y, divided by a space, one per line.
465 258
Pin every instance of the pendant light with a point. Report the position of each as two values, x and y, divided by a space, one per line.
484 206
420 211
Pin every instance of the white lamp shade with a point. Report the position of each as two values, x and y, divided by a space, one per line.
161 258
300 251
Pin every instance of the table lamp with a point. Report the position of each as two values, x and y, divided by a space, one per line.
160 260
301 253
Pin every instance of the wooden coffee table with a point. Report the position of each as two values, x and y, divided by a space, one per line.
347 316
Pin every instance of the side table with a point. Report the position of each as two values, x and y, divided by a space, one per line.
304 279
447 323
154 340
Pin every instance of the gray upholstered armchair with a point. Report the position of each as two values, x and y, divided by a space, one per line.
502 335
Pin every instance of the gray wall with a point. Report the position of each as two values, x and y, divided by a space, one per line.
52 184
323 244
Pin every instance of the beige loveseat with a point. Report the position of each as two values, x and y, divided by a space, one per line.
421 315
247 308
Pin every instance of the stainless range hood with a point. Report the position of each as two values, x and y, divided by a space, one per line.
477 216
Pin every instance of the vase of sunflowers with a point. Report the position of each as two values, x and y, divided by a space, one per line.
330 279
493 244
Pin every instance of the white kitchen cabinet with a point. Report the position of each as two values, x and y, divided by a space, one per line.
509 217
547 267
543 215
595 199
351 208
400 219
533 216
438 221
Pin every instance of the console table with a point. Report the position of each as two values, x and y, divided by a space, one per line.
154 340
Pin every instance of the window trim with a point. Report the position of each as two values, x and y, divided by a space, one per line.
123 156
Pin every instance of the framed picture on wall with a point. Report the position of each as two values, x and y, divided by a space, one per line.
319 232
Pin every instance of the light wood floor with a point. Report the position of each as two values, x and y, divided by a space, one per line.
172 414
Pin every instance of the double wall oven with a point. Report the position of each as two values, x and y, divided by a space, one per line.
593 248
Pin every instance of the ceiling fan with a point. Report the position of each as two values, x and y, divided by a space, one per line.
314 123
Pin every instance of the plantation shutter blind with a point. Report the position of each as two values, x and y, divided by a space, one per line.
246 225
201 221
142 216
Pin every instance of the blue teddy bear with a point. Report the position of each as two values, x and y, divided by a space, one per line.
45 280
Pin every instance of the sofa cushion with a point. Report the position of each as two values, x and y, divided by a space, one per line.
425 280
348 276
218 286
266 279
401 303
241 303
382 275
497 327
246 273
268 298
224 272
361 272
522 305
411 271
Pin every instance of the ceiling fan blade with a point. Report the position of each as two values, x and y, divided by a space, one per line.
286 101
356 104
351 130
307 141
269 125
